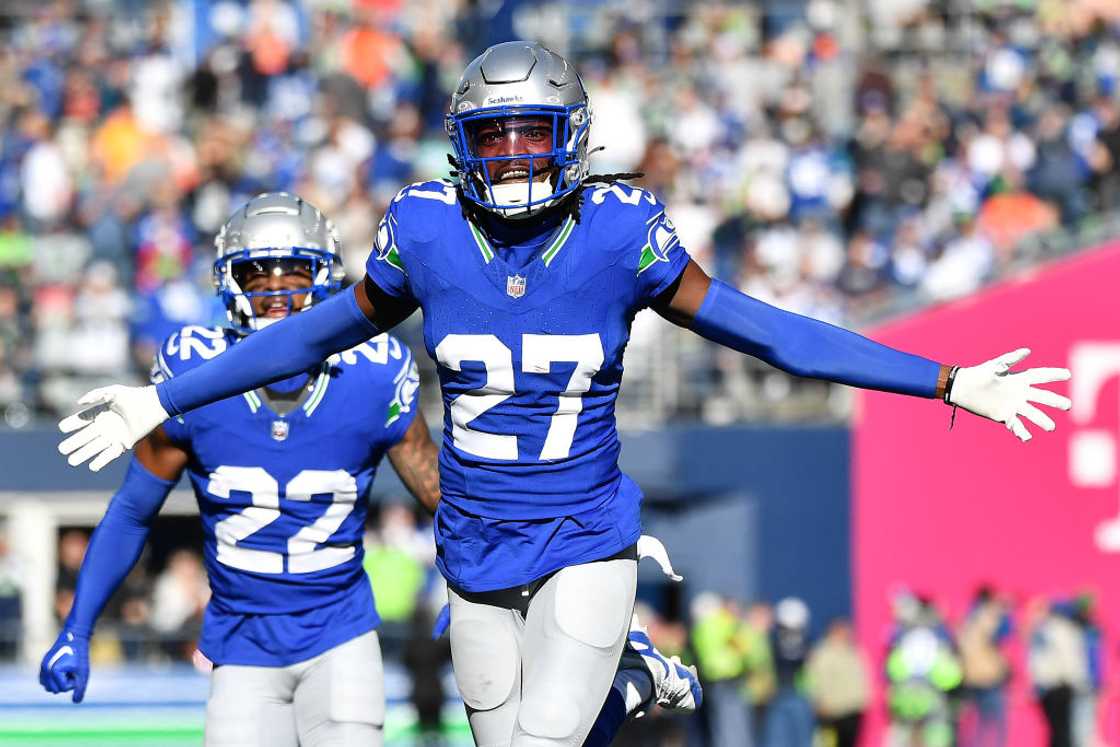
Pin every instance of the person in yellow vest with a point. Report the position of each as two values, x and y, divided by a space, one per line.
922 671
723 645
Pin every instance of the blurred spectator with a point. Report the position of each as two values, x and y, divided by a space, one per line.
11 611
398 557
839 684
722 644
1059 666
922 671
985 669
789 718
761 678
178 600
71 550
427 660
1084 707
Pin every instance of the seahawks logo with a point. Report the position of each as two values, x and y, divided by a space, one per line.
661 239
387 244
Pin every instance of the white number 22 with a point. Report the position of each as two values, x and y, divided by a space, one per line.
264 491
538 353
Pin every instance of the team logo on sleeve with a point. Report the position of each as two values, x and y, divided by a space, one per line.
515 286
386 244
661 239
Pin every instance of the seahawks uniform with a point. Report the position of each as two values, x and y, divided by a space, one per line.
529 354
283 505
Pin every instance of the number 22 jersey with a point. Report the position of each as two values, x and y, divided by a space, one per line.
283 498
530 361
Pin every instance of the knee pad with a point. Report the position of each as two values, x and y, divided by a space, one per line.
486 659
548 718
593 604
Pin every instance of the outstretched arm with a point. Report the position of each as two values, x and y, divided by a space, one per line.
295 344
115 417
807 347
113 549
416 459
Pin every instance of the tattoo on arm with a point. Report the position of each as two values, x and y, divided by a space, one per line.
416 460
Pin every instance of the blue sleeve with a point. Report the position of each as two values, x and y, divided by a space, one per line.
385 266
807 347
116 544
404 402
661 258
300 342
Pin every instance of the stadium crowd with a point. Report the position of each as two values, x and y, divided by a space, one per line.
826 161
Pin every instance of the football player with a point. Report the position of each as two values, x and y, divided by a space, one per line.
291 622
281 475
529 271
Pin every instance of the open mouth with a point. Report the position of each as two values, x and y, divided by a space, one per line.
276 309
518 173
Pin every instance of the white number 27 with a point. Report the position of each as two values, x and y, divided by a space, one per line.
538 353
303 557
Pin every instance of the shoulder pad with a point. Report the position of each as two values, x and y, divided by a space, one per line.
381 351
187 348
418 210
636 217
390 363
618 196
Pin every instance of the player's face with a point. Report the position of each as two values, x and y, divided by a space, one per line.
510 137
270 276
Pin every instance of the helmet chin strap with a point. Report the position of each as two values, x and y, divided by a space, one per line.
518 193
260 323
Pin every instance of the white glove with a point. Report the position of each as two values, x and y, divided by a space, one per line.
114 418
992 391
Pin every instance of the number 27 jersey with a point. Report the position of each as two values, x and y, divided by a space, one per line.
529 358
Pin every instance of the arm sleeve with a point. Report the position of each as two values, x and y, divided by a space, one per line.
276 352
116 544
807 347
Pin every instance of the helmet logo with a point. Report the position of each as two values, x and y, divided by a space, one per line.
515 286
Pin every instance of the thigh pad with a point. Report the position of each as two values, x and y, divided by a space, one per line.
485 651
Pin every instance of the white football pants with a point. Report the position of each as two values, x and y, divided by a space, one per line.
539 679
336 698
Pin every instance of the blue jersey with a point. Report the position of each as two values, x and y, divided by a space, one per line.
283 497
530 361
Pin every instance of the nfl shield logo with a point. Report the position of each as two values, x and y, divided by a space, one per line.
279 430
515 286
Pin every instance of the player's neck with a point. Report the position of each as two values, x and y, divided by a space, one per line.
286 395
504 232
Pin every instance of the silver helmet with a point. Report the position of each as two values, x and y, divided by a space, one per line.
519 82
277 233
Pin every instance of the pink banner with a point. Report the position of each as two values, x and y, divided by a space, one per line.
942 512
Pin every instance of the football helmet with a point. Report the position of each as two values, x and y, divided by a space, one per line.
510 83
275 233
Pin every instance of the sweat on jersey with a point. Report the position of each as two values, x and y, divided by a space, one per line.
530 361
283 498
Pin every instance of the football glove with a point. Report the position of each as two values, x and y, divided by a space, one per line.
993 391
114 418
66 665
